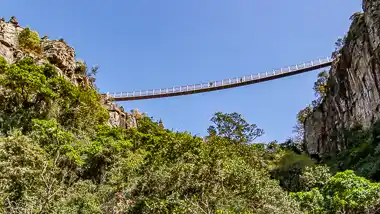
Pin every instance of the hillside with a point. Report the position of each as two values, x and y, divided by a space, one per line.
64 148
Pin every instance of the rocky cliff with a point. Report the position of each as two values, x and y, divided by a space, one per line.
120 118
353 95
62 56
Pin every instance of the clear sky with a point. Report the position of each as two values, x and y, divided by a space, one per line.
156 44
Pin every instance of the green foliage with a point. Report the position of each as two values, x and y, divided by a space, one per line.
26 94
234 127
343 193
22 163
303 114
289 170
80 198
315 176
361 154
143 170
81 67
29 41
3 65
52 137
310 202
57 155
207 177
320 88
37 92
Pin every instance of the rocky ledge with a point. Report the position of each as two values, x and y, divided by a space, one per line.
62 56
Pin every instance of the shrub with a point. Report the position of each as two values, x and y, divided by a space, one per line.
81 67
316 176
30 41
343 193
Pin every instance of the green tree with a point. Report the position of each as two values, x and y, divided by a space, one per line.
234 127
33 91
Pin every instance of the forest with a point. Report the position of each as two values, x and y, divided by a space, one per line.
58 155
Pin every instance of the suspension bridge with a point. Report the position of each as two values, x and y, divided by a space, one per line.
222 84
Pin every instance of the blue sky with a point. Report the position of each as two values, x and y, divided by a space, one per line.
156 44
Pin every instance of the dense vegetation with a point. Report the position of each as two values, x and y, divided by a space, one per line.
57 155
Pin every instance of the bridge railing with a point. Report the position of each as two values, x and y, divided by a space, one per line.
224 82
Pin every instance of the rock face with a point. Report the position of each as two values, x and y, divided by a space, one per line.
119 118
57 52
8 40
62 56
353 96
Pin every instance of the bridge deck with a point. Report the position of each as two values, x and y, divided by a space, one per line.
222 84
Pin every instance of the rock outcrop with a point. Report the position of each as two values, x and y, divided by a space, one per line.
353 96
118 117
57 52
62 56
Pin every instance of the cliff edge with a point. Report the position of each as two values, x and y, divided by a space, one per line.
14 46
353 95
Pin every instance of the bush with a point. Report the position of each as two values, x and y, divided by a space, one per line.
343 193
315 176
30 41
81 67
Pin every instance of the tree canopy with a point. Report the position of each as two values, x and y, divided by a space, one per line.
233 127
